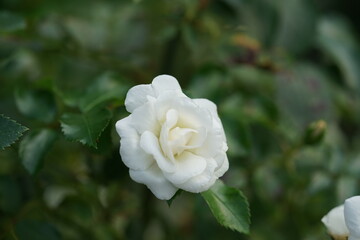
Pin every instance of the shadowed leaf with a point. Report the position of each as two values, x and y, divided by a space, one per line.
10 131
87 127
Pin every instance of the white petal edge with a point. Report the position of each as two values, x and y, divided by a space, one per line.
188 165
154 179
223 164
132 154
165 82
205 103
144 118
335 222
138 96
213 144
212 108
201 182
352 216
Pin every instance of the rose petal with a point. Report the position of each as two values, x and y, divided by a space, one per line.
209 105
138 96
190 115
213 144
203 181
198 139
131 153
154 179
352 216
165 83
335 222
144 119
188 165
150 144
222 163
171 119
205 103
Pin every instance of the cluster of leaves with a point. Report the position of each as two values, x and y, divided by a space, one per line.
284 76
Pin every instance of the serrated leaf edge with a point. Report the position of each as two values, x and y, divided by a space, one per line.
85 144
247 208
24 129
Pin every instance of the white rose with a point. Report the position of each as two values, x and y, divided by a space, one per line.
170 141
335 223
352 217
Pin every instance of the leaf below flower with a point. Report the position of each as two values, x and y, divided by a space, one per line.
229 206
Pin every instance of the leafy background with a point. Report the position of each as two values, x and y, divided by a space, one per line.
285 76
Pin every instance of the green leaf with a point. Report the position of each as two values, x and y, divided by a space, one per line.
229 206
10 131
87 127
104 89
178 192
36 104
338 40
10 22
39 230
34 147
296 29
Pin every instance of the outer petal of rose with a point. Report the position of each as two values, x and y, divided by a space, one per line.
335 222
213 144
144 118
201 182
221 157
131 153
139 95
188 165
223 164
205 103
211 107
154 179
352 216
164 83
150 144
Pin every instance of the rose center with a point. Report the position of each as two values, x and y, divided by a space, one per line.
179 139
175 138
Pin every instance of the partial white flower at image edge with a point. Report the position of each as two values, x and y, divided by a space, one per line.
170 141
352 217
343 222
335 223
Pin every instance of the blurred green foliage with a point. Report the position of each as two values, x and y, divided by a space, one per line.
272 67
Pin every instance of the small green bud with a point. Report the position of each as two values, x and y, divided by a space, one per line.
315 132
